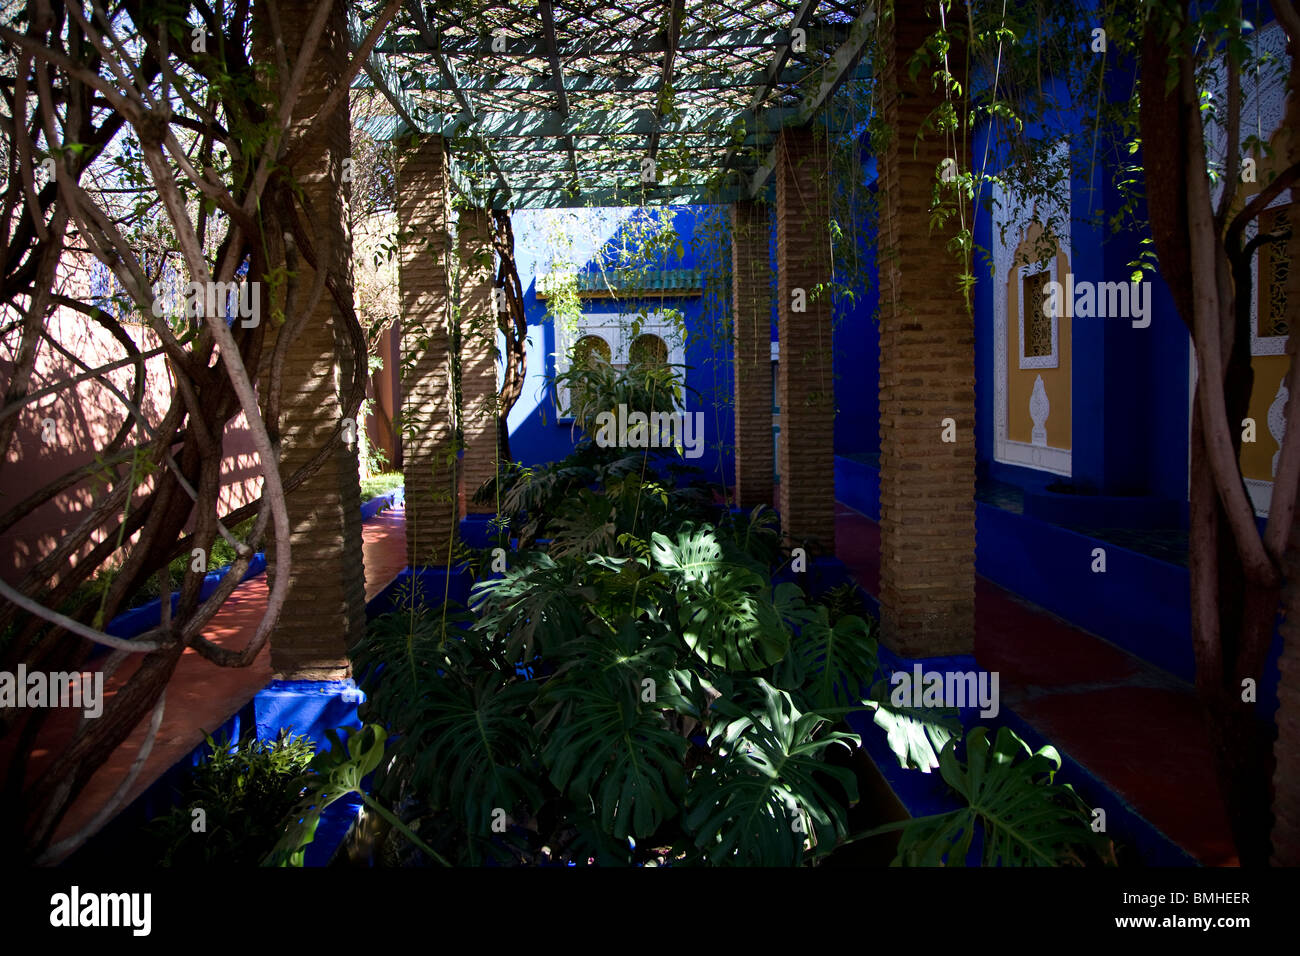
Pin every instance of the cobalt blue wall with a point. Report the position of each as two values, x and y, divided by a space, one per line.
1130 384
857 344
857 377
537 435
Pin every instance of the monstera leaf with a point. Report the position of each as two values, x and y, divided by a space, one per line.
831 665
585 524
613 751
767 795
757 534
469 746
692 559
916 735
1024 818
402 650
633 652
732 623
536 606
335 773
724 610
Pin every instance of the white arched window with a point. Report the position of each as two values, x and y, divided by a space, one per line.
656 336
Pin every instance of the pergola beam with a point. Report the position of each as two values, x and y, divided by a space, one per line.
557 74
682 82
410 115
691 195
560 167
626 178
776 66
535 47
782 54
551 123
843 61
841 66
518 156
672 36
382 75
448 71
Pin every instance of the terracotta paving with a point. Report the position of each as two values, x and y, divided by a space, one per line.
1133 726
200 695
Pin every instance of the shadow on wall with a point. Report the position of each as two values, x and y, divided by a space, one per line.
65 430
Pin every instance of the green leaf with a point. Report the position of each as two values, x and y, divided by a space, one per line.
691 559
771 773
536 605
831 665
336 773
916 735
615 752
470 745
1024 817
732 623
725 609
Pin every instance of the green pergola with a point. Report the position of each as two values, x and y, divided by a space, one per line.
633 102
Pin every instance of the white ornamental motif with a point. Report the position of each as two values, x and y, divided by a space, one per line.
1039 409
1277 420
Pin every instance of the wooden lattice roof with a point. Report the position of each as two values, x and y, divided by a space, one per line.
568 102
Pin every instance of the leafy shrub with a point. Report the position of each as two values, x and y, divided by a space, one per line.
640 691
1013 807
246 793
375 485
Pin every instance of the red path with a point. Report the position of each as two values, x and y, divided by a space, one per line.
1128 723
201 696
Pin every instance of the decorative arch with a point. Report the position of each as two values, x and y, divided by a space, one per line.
618 332
1013 266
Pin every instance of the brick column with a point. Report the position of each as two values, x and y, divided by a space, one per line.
325 609
751 288
427 414
478 365
927 374
805 383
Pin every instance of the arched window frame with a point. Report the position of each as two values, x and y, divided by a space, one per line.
616 330
1009 229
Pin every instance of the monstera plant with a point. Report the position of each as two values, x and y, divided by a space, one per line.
637 689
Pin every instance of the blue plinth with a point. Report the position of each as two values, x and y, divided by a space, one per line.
430 584
477 531
307 708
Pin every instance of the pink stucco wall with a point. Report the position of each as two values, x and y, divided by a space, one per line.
85 419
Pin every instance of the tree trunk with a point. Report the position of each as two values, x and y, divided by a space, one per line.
1233 608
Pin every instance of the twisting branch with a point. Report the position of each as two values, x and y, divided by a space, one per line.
214 184
1207 306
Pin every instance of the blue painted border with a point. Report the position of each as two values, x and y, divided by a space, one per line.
1102 511
922 794
137 620
1140 603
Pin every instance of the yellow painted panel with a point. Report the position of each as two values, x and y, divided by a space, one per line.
1270 370
1257 458
1020 382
